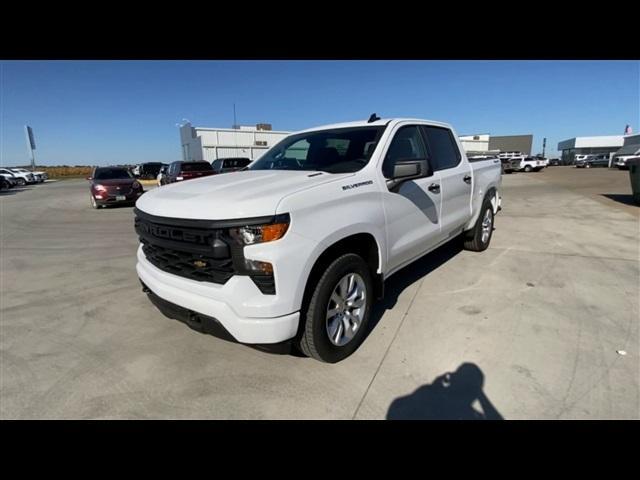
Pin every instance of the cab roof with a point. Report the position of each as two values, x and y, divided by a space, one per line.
380 122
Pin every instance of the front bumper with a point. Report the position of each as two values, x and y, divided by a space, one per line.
221 303
109 199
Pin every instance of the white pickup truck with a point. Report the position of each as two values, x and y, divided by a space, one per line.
298 245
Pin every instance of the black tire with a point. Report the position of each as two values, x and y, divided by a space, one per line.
527 168
21 182
315 341
93 202
473 238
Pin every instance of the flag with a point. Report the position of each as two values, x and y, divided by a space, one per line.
627 130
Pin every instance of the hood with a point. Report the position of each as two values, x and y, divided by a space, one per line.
244 194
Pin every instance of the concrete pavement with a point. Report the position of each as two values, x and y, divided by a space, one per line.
538 317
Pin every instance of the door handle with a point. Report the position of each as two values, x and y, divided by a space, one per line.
467 179
434 187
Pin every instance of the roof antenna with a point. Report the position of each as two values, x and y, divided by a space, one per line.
373 118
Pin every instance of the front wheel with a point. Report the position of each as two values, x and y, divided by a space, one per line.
338 311
527 168
21 182
478 238
94 204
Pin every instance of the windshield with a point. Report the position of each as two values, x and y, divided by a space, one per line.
112 174
342 150
196 167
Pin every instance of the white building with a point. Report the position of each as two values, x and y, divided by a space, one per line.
608 144
475 143
199 143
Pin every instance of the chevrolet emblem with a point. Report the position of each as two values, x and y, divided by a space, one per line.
199 264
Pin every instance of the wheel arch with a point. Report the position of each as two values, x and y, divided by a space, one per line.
364 244
492 194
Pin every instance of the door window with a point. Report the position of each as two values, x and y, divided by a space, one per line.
406 145
443 151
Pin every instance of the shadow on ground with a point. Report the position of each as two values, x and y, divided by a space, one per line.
13 191
452 396
410 275
626 199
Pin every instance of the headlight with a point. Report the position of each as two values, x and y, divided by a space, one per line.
252 234
100 188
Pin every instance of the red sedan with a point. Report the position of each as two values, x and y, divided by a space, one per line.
113 186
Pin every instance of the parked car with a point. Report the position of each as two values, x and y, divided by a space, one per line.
554 162
22 178
590 161
8 177
629 151
529 164
149 170
179 171
545 161
113 186
298 246
4 183
224 165
39 176
510 154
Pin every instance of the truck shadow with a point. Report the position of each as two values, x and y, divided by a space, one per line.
410 275
451 396
621 198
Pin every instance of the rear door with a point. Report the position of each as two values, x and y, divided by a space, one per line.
455 177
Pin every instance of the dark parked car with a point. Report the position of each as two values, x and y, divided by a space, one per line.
555 162
150 170
179 171
593 161
224 165
113 186
8 177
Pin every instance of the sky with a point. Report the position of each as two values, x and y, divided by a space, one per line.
111 112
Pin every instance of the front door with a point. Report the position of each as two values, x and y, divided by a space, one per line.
412 210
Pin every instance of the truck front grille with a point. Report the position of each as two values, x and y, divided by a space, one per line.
196 250
188 264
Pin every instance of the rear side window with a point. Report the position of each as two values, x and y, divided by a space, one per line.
443 151
196 167
406 145
236 162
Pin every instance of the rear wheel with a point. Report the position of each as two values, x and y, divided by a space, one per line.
527 168
478 238
336 318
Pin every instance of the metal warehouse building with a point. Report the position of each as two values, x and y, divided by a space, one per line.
608 144
485 143
199 143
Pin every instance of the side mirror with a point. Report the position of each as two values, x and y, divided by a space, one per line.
405 170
